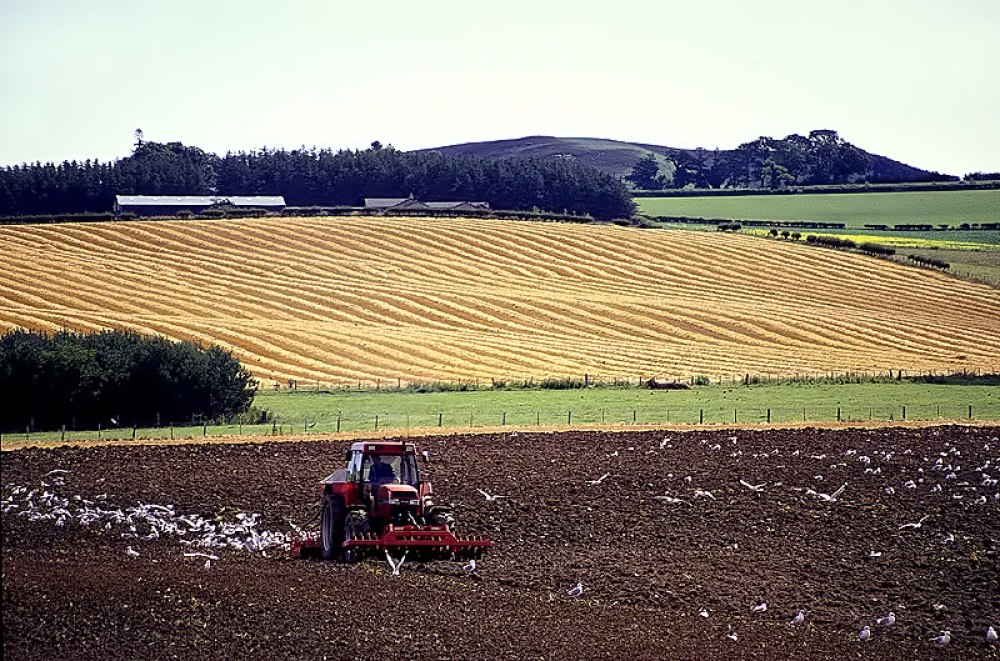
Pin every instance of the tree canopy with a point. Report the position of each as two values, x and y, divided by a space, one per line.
310 177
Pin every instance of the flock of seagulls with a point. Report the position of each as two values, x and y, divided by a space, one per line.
143 522
945 475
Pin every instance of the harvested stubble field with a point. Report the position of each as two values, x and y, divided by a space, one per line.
662 578
365 300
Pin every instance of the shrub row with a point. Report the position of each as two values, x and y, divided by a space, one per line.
830 241
115 378
929 261
876 249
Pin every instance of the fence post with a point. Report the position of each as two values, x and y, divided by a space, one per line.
338 423
63 433
734 415
904 411
569 417
970 411
769 416
440 419
503 419
701 416
376 422
838 414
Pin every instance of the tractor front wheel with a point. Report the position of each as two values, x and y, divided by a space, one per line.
332 528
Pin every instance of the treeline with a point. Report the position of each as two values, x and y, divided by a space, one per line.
822 158
115 378
314 178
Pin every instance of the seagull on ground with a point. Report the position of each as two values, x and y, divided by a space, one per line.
732 636
707 494
759 608
754 487
600 479
576 590
395 565
799 618
916 524
703 612
865 633
832 497
489 496
669 499
991 634
426 454
943 639
471 566
132 553
208 564
199 554
887 620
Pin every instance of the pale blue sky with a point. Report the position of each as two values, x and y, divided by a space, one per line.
914 80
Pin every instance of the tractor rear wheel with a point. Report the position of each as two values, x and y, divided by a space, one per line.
332 528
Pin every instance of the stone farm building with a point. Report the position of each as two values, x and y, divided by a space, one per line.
169 205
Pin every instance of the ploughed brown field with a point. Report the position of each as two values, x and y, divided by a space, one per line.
676 555
349 300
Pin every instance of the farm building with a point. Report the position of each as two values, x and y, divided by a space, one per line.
395 204
169 205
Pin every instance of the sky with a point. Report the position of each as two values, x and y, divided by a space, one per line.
915 80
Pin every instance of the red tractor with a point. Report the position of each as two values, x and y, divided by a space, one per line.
378 503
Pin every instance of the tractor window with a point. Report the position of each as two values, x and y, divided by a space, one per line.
404 469
354 468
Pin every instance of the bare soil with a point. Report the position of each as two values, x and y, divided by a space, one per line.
661 579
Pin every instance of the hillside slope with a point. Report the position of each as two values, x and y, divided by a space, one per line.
349 300
618 158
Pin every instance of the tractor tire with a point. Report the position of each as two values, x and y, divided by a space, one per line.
332 528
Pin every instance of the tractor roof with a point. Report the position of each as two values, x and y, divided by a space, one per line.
384 447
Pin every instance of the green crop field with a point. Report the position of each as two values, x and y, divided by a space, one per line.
328 412
853 209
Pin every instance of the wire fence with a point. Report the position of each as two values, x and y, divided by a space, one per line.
386 422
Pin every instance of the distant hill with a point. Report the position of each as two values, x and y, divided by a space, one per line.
804 157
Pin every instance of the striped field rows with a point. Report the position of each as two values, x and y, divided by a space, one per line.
364 300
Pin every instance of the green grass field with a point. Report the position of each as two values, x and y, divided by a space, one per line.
853 209
329 412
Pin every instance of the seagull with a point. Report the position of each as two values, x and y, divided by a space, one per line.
759 608
395 565
132 553
198 554
669 499
886 621
703 612
426 454
600 479
865 633
799 618
991 634
208 564
754 487
732 635
489 496
663 443
700 492
943 639
916 524
471 566
832 498
576 590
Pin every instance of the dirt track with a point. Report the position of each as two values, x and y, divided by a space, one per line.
650 567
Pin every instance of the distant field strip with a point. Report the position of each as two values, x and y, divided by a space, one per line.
852 209
343 301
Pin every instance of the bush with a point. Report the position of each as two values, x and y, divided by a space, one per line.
115 378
